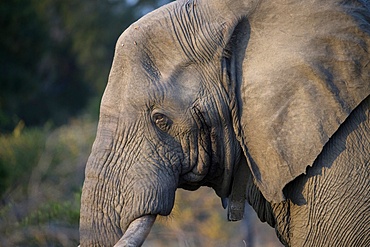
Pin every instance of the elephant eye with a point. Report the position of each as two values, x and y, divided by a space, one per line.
162 121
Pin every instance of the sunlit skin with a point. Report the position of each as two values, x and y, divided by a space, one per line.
251 98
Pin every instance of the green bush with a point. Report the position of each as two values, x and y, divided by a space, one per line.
67 212
42 173
19 153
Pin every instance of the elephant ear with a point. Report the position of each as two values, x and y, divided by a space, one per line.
304 70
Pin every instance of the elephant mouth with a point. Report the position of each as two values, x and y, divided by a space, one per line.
137 231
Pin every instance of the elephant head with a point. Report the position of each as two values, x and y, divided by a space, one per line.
198 87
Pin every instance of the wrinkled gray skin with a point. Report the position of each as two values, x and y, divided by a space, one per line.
264 101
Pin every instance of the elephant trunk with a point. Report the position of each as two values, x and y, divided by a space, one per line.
100 216
137 231
99 219
125 186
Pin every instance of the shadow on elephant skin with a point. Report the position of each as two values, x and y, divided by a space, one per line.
237 46
332 149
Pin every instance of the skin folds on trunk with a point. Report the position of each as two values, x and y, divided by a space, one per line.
137 231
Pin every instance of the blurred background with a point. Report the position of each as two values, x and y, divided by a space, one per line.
55 57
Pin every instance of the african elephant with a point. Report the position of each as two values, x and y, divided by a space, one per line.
264 101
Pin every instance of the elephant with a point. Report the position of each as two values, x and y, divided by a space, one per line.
266 102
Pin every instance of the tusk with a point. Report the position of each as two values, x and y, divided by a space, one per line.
136 232
225 202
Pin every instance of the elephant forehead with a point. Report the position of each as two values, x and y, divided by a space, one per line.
152 37
177 91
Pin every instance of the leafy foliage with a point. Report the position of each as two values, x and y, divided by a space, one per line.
18 155
40 77
55 56
41 205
